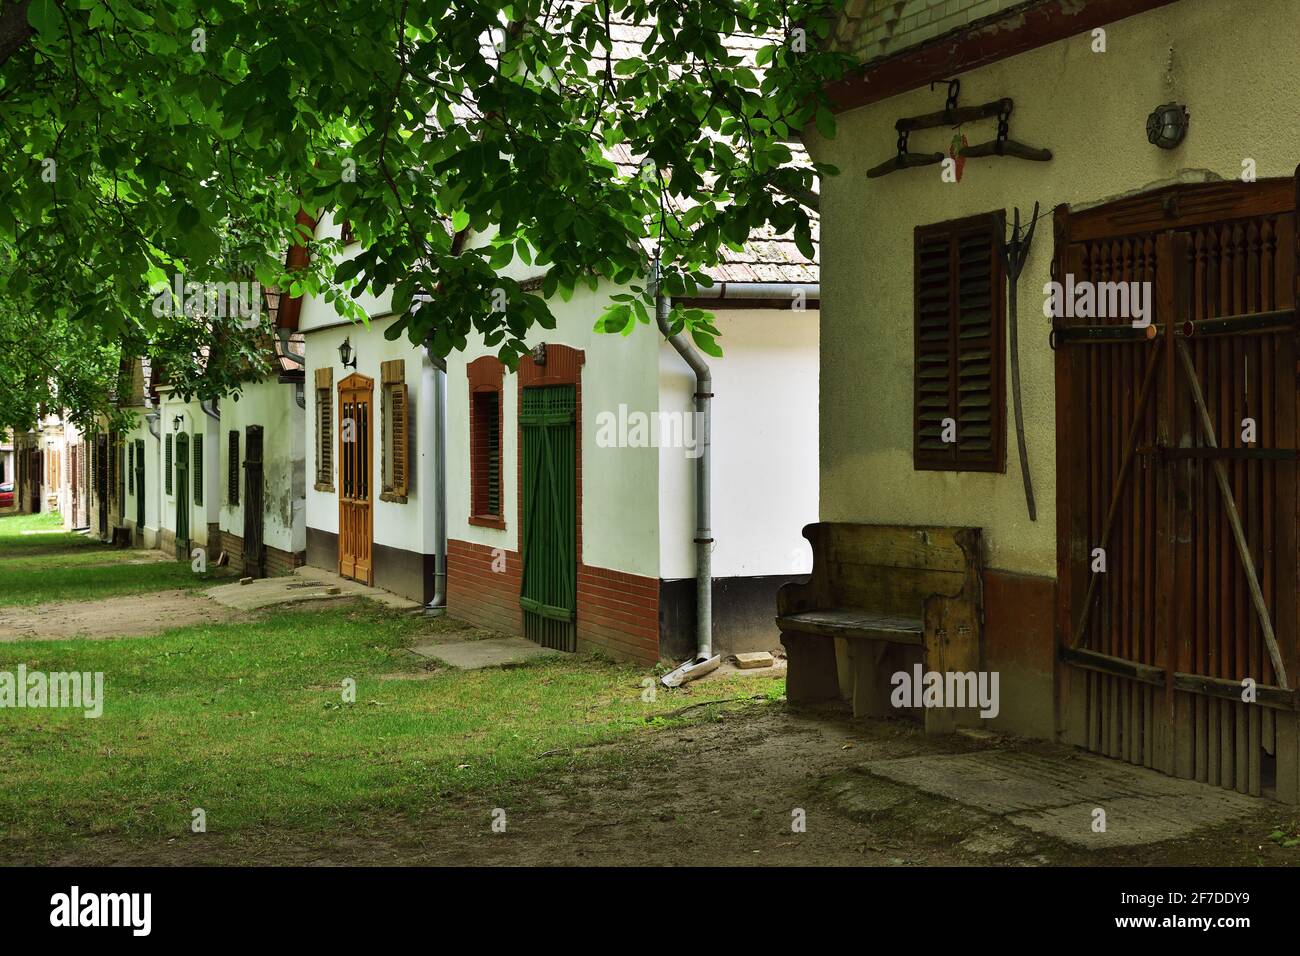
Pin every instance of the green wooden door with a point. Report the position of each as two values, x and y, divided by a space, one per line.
548 450
183 497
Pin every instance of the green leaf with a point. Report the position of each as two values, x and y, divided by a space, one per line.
45 17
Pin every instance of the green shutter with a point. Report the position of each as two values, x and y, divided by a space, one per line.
167 465
198 469
548 450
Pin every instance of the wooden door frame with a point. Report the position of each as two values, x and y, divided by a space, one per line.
356 382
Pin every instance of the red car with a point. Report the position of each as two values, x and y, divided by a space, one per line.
7 495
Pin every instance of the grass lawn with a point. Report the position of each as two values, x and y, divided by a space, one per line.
247 721
36 568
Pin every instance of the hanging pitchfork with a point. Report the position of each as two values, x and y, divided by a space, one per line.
1014 252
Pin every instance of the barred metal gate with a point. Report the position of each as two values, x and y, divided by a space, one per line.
1177 486
548 452
183 496
254 550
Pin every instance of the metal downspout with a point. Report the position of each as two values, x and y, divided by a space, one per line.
433 408
705 660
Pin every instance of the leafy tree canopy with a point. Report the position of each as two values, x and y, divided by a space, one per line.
149 138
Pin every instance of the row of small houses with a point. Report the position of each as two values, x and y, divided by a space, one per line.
368 458
1101 512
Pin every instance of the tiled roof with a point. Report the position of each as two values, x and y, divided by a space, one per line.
765 257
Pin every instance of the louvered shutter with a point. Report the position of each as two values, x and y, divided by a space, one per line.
325 435
167 465
492 438
130 468
232 476
959 346
198 469
398 439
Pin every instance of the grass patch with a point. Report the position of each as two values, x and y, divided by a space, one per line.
247 721
36 568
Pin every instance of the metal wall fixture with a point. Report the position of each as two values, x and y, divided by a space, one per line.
346 355
954 115
1167 125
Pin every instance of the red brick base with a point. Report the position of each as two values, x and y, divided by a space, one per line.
617 613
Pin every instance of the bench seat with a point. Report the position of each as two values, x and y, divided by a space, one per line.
853 623
880 600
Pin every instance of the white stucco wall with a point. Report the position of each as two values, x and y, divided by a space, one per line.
271 404
764 447
406 525
1232 64
152 474
194 421
620 501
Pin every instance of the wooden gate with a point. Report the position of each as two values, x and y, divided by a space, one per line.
548 451
1176 485
356 528
254 550
183 496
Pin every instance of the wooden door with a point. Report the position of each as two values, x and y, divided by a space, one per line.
356 507
1177 486
139 485
548 452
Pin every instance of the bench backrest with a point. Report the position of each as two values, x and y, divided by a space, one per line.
890 569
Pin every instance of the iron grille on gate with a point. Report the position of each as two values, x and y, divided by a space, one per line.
548 450
254 551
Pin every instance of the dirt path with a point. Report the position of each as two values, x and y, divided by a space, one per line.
717 792
136 615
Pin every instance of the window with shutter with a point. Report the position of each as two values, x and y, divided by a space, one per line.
167 465
395 440
198 469
485 420
959 400
130 468
232 475
325 429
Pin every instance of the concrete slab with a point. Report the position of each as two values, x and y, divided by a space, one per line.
489 652
1057 794
305 584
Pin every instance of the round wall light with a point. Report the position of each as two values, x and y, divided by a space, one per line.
1167 125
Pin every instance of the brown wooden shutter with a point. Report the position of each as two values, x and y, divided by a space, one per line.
398 443
959 342
232 475
324 429
396 429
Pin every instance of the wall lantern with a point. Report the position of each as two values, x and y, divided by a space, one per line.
176 422
346 355
1167 125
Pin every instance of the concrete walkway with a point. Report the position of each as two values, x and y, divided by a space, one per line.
1057 792
305 584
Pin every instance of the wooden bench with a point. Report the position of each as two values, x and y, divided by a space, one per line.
887 597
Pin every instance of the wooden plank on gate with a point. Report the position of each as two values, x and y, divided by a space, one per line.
1234 520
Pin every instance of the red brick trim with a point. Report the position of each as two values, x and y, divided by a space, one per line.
618 613
485 375
1013 31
